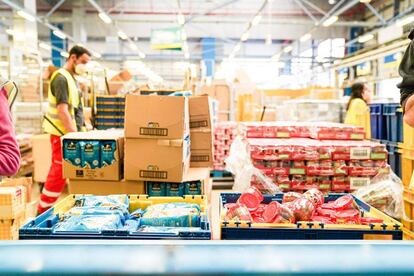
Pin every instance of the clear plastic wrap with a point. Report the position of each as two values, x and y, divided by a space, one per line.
240 164
385 193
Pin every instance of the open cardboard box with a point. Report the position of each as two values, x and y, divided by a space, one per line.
112 172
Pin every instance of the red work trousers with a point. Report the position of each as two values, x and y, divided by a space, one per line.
55 183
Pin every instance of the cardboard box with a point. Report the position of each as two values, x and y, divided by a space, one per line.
156 160
200 109
112 172
12 201
42 156
201 148
9 228
106 187
26 182
156 117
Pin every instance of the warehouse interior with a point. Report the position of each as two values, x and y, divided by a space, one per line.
159 137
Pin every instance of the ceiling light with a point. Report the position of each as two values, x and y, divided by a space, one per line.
288 49
180 19
245 36
45 46
183 36
365 38
59 34
187 56
105 18
276 57
133 47
256 20
405 21
237 47
26 15
9 31
328 22
122 35
96 54
305 37
64 54
141 55
268 39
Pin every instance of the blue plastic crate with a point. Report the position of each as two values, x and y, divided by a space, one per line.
42 227
394 122
391 229
378 122
394 158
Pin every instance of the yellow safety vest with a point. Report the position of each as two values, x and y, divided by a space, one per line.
358 115
73 102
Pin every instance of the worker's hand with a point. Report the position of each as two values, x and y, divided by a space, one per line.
409 111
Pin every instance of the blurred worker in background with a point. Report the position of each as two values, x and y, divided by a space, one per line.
9 149
406 86
65 115
357 110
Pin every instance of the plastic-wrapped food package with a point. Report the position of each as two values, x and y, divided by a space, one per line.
90 223
112 201
95 211
290 197
238 212
251 198
131 225
303 209
385 193
172 230
172 215
315 196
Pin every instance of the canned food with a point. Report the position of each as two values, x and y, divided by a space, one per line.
271 211
351 216
251 198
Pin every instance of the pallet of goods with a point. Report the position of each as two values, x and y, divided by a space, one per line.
224 134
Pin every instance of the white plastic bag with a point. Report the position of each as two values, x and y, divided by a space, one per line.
240 164
385 193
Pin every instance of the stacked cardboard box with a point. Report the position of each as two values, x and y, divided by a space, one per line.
12 211
110 112
93 163
157 144
201 124
224 134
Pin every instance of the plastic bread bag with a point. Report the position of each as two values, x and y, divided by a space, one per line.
176 214
239 163
90 223
385 193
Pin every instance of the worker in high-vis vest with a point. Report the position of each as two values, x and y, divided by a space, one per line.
65 114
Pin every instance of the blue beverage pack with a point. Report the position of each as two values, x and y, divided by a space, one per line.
108 149
156 188
71 152
175 189
90 153
193 188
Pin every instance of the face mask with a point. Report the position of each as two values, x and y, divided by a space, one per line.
80 69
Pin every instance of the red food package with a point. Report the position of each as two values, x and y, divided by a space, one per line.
315 196
343 203
238 211
271 211
330 205
286 212
251 198
258 219
259 211
326 212
290 197
303 209
324 220
351 216
369 220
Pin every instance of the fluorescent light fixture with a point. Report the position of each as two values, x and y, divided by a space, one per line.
96 54
141 55
9 31
133 47
26 15
305 37
328 22
237 47
268 39
405 21
256 20
276 57
64 54
105 18
288 49
45 46
59 34
122 35
180 19
365 38
245 36
187 55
